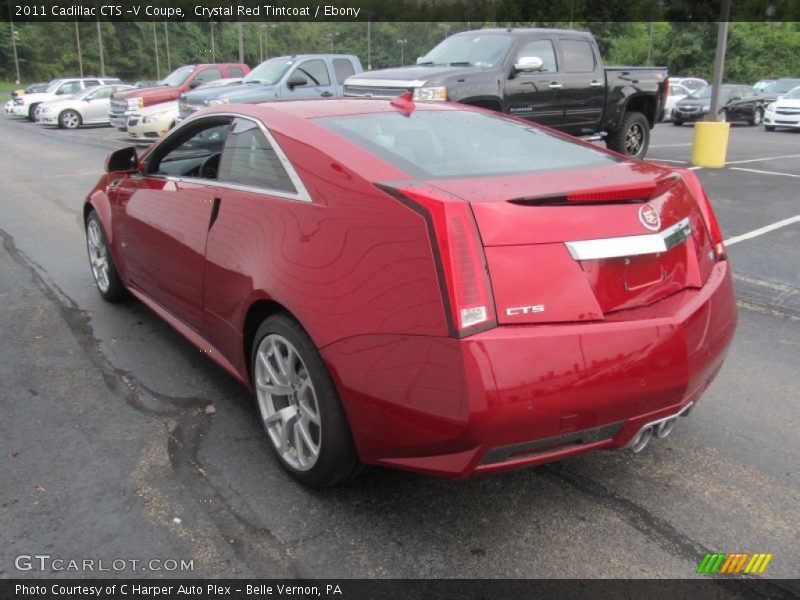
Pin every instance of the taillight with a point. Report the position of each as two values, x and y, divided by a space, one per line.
708 213
459 255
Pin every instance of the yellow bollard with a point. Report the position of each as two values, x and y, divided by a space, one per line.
710 144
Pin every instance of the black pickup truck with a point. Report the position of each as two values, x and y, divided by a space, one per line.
554 77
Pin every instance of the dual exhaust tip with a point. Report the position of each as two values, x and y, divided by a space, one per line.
660 429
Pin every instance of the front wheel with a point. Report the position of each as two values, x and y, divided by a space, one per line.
104 272
757 118
69 119
632 137
299 406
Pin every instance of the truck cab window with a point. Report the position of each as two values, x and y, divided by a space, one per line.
578 56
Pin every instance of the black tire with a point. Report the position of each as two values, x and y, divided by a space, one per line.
633 136
757 118
337 459
114 291
723 116
769 128
69 119
32 112
677 123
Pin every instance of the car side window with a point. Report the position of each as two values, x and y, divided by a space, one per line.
343 69
249 159
70 87
101 94
207 75
92 83
192 152
578 56
543 49
235 72
315 70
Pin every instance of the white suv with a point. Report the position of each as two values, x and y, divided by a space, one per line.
25 106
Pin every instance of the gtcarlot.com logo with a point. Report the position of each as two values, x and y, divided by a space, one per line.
735 563
46 562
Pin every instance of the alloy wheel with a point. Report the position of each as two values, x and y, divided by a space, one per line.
70 120
287 401
98 255
634 139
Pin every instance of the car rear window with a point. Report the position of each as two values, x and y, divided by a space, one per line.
461 144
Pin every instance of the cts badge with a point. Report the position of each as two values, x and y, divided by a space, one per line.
524 310
649 218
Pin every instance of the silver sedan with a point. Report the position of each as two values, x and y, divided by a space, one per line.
87 107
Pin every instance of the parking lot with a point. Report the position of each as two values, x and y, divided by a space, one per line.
120 440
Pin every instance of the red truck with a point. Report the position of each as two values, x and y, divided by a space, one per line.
180 81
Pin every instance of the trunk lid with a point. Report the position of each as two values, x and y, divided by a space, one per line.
589 244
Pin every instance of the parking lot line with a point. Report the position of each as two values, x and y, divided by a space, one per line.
762 230
764 172
750 160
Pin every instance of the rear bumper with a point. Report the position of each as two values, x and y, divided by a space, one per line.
518 396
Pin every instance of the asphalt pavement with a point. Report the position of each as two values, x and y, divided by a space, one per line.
119 440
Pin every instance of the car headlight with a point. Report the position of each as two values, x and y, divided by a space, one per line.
135 103
428 94
154 118
216 101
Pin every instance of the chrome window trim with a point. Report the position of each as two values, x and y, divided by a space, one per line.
632 245
302 193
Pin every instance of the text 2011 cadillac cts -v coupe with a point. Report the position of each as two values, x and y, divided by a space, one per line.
431 287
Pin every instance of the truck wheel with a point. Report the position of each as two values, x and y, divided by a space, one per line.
632 137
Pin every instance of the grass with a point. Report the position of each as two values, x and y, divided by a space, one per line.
6 87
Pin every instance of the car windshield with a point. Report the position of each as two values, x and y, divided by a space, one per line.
474 49
794 94
705 93
462 144
177 77
54 85
82 94
780 87
269 72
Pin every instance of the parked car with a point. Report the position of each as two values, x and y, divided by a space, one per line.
87 107
170 89
25 106
146 83
776 90
761 84
784 112
150 123
425 286
280 78
737 103
676 93
554 77
692 84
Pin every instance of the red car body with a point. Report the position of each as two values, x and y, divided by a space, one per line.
576 354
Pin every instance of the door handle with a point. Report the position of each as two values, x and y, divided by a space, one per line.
326 94
596 83
555 86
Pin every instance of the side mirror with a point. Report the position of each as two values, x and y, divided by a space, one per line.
124 160
296 80
529 63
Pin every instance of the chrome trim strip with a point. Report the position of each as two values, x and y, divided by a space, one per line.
632 245
390 83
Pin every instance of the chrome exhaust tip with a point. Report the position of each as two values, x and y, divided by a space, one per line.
665 428
641 440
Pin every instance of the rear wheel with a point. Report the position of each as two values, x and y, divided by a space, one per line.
723 116
757 118
104 272
32 112
632 137
299 406
69 119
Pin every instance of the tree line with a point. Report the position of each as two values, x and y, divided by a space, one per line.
49 50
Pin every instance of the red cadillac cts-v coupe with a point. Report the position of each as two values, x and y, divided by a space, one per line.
431 287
